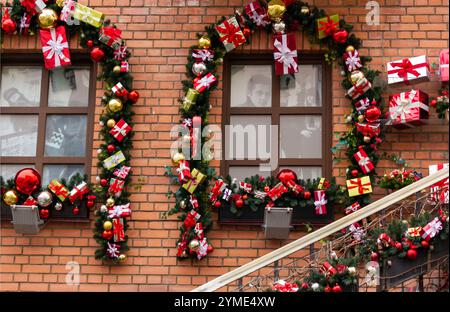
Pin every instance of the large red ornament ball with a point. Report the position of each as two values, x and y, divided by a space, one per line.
27 181
286 175
373 114
337 289
111 148
97 54
411 254
374 256
9 26
340 36
307 195
133 96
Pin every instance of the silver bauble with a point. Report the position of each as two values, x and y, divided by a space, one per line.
198 69
103 208
279 27
44 199
58 206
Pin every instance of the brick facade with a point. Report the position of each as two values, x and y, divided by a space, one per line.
159 33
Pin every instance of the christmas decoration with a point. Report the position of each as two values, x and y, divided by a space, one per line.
359 186
45 199
359 89
441 103
283 286
443 65
363 160
398 179
432 229
198 69
116 187
327 26
204 42
439 191
408 69
122 172
47 19
203 55
340 36
27 181
190 98
118 230
408 108
361 105
97 54
352 60
119 211
196 178
354 207
120 130
67 10
285 54
177 157
10 197
8 24
88 15
183 171
119 90
78 192
114 160
111 36
257 14
320 202
277 191
133 96
204 83
230 34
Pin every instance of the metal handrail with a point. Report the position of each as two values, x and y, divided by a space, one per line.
323 232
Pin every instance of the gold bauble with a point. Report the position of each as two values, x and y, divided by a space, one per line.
304 10
355 76
122 258
350 48
10 197
116 69
47 18
107 225
115 105
276 10
110 202
194 245
204 42
177 157
60 3
110 123
361 118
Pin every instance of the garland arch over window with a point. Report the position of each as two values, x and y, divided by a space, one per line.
52 18
193 200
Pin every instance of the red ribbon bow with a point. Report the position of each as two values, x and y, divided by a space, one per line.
112 32
329 27
405 68
361 187
231 33
60 190
119 230
30 6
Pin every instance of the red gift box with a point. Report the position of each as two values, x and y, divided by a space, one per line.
122 172
111 36
439 191
277 191
194 202
257 14
55 47
370 129
320 202
285 54
118 230
203 55
191 219
362 105
354 207
364 161
116 186
78 192
120 130
408 108
352 60
124 67
183 171
327 269
217 190
359 88
119 211
119 90
432 229
201 84
443 65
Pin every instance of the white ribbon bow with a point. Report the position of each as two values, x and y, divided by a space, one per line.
55 47
68 8
182 167
258 19
432 228
353 61
285 55
404 105
260 195
364 162
205 82
321 201
118 211
112 250
204 55
117 131
203 249
24 23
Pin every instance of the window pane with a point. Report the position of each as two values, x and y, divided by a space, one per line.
306 172
242 172
65 135
248 137
302 89
20 86
18 135
68 87
9 171
301 136
251 86
60 172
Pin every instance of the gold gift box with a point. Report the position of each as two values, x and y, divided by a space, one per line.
88 15
321 33
197 178
359 186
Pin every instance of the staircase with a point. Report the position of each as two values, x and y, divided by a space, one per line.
295 260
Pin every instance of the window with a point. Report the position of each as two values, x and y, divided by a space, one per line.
298 105
46 117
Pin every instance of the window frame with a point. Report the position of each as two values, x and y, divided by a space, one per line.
276 111
79 60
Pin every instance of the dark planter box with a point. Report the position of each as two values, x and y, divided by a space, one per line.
402 270
300 216
350 288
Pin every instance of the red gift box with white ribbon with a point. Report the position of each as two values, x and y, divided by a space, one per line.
320 202
120 130
359 88
285 54
439 191
408 109
352 60
414 69
364 161
201 84
257 14
55 47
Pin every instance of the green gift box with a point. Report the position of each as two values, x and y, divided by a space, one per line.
114 160
327 25
190 98
88 15
197 178
58 189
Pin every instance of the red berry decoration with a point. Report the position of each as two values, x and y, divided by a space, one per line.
44 213
266 188
245 197
111 148
425 244
75 211
374 256
307 195
103 182
133 96
398 245
411 254
340 36
328 289
210 249
217 204
337 289
97 54
305 285
239 203
90 44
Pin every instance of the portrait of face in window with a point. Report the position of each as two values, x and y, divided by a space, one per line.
304 89
251 86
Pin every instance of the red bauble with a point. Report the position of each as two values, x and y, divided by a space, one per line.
337 289
305 285
266 188
133 96
245 197
355 173
425 244
27 181
210 249
75 211
9 26
340 36
307 195
103 182
107 234
97 54
328 289
44 213
286 175
398 245
372 114
374 256
90 44
217 204
111 148
247 32
239 203
411 254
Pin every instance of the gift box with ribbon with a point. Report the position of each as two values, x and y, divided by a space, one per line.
408 69
320 202
257 14
277 191
327 26
216 191
122 172
191 219
190 98
226 194
327 269
201 84
124 67
67 10
196 178
432 229
285 54
352 208
443 65
116 187
357 231
370 129
230 34
362 104
114 160
408 109
359 186
183 171
119 90
55 47
363 160
247 187
203 55
118 230
119 211
120 130
352 60
78 192
112 250
414 231
88 15
439 192
58 189
359 88
111 36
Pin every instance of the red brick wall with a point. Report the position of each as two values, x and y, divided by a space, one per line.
159 33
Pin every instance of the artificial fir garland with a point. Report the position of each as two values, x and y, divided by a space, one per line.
110 75
298 15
